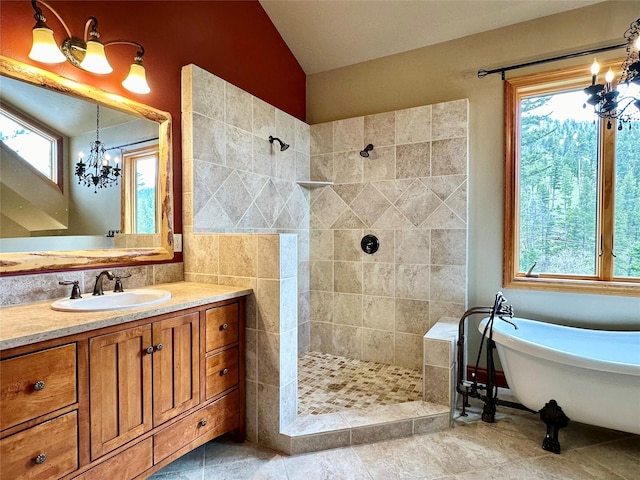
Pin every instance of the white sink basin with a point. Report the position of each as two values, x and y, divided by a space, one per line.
141 297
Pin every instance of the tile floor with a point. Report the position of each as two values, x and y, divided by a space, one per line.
508 449
329 383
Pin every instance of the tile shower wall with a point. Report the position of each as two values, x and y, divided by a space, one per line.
412 194
235 181
245 223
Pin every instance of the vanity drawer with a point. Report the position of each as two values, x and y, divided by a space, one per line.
219 417
128 464
36 384
48 450
222 372
222 326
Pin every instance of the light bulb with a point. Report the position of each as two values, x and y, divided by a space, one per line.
609 76
95 60
136 81
44 48
595 68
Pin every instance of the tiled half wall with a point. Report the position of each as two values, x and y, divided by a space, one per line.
245 223
235 181
411 193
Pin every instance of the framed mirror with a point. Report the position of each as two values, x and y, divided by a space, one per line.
141 128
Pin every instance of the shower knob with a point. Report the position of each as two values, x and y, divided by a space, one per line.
370 244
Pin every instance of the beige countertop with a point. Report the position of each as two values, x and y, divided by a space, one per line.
35 322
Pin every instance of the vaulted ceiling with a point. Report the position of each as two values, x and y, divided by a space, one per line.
328 34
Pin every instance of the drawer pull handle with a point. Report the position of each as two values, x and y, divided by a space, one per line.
224 372
224 327
39 385
203 422
159 347
149 350
40 459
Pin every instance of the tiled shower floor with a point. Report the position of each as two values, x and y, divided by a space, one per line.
328 383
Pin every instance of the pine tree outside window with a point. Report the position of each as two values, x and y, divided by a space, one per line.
572 190
141 192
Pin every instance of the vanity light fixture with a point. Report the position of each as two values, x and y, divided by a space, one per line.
87 53
603 97
97 172
283 146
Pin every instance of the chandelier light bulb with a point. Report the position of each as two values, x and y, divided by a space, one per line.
595 68
609 76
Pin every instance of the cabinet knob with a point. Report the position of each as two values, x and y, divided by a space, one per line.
224 327
39 385
203 422
224 372
159 347
40 459
149 350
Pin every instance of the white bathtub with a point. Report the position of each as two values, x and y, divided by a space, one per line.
594 375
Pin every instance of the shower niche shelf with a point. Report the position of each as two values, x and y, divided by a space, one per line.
313 184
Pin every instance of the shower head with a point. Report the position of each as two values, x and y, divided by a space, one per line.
365 153
283 146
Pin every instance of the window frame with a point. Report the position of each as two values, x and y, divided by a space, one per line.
603 282
128 190
45 131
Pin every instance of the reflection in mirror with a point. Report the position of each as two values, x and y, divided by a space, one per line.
43 203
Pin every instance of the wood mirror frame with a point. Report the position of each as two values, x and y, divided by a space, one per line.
21 262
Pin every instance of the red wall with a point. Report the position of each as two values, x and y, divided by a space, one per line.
234 40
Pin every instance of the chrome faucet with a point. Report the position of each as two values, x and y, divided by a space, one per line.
97 288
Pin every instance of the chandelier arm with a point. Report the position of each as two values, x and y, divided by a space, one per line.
39 12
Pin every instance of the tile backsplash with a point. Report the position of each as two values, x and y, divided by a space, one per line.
44 286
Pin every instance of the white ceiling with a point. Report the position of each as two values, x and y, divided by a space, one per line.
328 34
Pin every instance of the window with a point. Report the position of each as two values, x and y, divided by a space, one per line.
141 192
572 190
39 146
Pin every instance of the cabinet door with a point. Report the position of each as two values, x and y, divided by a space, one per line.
175 366
120 388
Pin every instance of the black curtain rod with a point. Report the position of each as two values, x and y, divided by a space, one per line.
132 143
483 73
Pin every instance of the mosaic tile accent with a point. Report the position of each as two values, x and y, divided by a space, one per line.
329 383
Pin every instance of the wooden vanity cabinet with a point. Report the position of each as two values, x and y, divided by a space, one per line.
38 414
141 377
123 401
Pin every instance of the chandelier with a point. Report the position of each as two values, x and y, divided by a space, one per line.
97 172
606 98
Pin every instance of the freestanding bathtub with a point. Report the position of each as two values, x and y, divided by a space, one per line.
594 375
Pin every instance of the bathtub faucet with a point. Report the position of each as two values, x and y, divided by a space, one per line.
502 310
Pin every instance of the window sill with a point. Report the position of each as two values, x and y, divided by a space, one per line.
593 287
